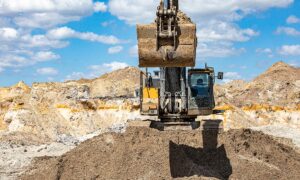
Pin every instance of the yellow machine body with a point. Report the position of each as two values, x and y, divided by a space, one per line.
149 101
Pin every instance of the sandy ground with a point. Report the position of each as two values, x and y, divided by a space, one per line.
283 132
143 153
15 157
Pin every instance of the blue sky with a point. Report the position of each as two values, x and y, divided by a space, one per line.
57 40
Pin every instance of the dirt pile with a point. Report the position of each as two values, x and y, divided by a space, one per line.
278 86
69 111
143 153
120 83
272 98
183 18
46 112
15 91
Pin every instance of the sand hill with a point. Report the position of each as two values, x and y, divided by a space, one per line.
278 86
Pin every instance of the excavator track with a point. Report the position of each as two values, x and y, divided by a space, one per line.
174 126
202 125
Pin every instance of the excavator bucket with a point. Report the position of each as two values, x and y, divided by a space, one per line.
151 56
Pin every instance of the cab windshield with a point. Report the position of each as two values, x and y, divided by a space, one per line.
199 85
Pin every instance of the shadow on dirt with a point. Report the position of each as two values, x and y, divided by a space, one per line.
209 161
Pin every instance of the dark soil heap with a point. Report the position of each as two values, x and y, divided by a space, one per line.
143 153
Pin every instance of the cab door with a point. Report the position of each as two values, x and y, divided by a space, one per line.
200 92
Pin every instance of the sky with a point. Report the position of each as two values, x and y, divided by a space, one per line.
59 40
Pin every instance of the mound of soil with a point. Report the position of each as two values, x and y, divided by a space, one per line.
143 153
119 83
278 86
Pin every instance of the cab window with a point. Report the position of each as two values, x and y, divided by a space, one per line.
199 84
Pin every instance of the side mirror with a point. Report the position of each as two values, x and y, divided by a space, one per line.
220 75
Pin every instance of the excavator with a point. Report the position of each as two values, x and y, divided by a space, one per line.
177 93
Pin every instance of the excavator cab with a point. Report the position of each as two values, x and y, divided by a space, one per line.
201 91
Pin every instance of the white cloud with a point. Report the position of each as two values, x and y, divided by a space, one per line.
107 67
292 19
115 49
19 58
294 63
97 70
107 23
65 33
100 7
47 71
216 38
133 51
216 20
63 6
115 65
45 56
61 33
230 76
10 60
8 34
43 20
265 50
75 76
20 48
228 10
288 31
38 13
132 11
40 41
224 31
215 50
20 44
290 50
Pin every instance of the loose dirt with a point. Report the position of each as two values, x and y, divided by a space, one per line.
143 153
183 18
